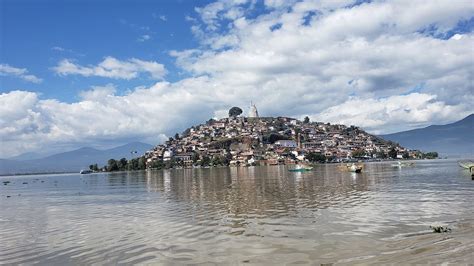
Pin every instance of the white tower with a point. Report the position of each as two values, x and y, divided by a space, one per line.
253 110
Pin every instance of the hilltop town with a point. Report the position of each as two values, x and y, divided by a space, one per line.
256 140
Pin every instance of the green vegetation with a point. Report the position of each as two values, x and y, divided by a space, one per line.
406 155
359 153
235 111
440 229
430 155
392 153
316 157
122 165
272 137
94 167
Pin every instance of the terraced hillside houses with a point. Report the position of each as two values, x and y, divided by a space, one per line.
270 140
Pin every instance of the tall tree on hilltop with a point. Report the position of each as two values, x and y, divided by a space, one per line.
235 111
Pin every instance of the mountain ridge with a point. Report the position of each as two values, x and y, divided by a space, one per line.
72 161
453 139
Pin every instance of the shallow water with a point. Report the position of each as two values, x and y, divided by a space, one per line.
262 215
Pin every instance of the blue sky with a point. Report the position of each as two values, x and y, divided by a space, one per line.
103 73
38 34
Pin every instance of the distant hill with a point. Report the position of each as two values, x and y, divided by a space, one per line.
27 156
72 161
455 139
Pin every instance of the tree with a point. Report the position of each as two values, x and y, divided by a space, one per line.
306 120
406 155
176 136
122 164
133 164
272 137
234 111
142 163
112 165
158 164
431 155
216 160
195 157
381 154
91 167
315 157
392 153
358 153
205 161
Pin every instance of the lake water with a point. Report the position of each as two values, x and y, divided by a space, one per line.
255 215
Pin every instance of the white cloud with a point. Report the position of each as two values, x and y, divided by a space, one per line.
22 73
144 38
370 65
372 50
58 48
98 93
111 67
386 114
145 114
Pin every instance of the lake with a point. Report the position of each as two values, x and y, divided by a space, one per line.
254 215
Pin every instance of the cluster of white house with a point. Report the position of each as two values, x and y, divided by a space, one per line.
268 140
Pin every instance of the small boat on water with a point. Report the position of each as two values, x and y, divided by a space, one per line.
86 171
466 164
301 168
354 168
469 165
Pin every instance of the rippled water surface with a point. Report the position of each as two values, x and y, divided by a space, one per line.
262 215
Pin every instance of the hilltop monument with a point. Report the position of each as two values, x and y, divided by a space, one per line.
253 111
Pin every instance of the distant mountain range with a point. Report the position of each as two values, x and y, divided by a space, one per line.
72 161
455 139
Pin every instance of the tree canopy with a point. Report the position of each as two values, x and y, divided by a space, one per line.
235 111
316 157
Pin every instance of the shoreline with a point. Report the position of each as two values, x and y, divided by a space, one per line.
220 166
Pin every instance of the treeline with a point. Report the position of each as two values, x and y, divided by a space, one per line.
217 160
392 153
121 165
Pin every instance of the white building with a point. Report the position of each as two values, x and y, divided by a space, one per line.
286 143
253 111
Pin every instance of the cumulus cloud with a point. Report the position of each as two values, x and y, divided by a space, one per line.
386 114
317 54
22 73
98 93
370 64
28 123
111 67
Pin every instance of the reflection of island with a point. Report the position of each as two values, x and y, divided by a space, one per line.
259 191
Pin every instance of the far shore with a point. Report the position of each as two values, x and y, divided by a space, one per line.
207 167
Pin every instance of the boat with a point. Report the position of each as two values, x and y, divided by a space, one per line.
87 171
354 168
469 165
301 168
466 164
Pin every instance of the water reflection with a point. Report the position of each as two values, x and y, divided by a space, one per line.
226 215
268 191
